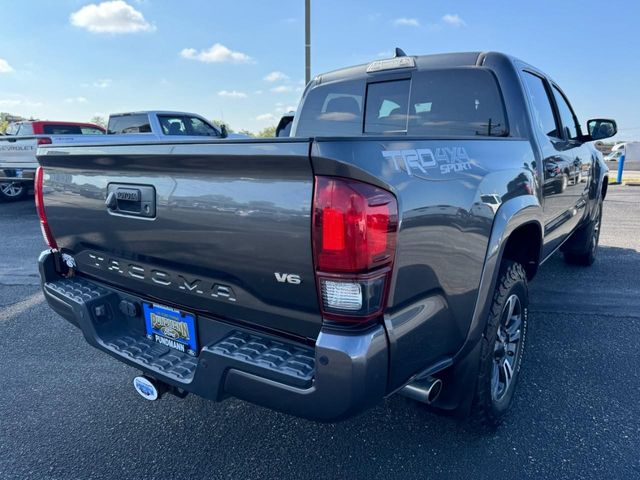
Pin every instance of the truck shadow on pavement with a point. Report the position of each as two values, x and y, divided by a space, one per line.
572 391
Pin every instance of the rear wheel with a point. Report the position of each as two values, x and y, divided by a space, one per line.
12 191
502 347
583 247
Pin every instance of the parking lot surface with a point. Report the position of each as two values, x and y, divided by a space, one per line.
69 411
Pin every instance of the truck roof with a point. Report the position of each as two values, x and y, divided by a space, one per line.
154 112
422 62
58 122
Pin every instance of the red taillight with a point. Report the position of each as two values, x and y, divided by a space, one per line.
44 141
354 240
44 225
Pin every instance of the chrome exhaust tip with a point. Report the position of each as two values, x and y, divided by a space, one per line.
424 391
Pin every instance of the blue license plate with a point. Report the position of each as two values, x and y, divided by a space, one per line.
172 328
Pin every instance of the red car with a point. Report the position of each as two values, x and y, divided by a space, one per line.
48 127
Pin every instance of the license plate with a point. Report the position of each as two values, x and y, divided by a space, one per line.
172 328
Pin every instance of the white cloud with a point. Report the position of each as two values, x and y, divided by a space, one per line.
258 92
5 67
115 16
99 83
275 76
280 108
281 89
19 102
454 20
406 22
217 53
266 117
232 94
76 100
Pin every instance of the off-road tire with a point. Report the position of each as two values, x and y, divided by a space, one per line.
487 412
582 247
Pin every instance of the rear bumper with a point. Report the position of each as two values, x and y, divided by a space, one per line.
17 174
340 376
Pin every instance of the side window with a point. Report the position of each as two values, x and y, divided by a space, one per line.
12 129
386 108
172 125
129 124
542 110
566 115
198 127
25 129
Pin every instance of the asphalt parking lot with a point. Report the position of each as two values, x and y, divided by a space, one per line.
69 411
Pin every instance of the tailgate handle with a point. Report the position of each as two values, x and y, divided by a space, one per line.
131 200
111 202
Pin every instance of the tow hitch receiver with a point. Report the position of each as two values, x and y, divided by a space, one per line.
148 388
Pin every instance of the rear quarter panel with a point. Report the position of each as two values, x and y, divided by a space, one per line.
448 192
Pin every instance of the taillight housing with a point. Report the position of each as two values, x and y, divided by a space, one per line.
355 226
44 141
44 224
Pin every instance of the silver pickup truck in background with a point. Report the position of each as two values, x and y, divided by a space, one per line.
18 149
164 125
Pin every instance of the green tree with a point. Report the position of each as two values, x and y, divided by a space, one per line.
98 120
267 132
247 133
218 123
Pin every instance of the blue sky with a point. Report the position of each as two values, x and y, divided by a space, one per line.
73 59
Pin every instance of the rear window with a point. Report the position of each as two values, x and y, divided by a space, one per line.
61 129
334 109
91 131
129 124
451 102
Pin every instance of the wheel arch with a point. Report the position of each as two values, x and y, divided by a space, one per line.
515 219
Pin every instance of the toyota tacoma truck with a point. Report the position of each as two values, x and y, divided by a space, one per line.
385 247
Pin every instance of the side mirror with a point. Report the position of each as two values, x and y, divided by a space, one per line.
600 128
223 131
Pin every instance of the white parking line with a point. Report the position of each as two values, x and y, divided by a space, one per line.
11 311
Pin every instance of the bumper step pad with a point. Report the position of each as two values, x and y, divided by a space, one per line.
164 359
265 353
243 350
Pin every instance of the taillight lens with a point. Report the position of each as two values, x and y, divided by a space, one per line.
44 225
44 141
354 241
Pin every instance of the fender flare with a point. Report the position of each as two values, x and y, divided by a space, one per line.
512 214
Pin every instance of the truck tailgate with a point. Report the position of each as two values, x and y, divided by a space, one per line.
216 228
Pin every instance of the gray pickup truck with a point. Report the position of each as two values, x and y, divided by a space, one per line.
385 247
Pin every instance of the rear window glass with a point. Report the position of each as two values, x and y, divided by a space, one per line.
129 124
334 109
450 102
387 107
456 102
54 129
91 131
